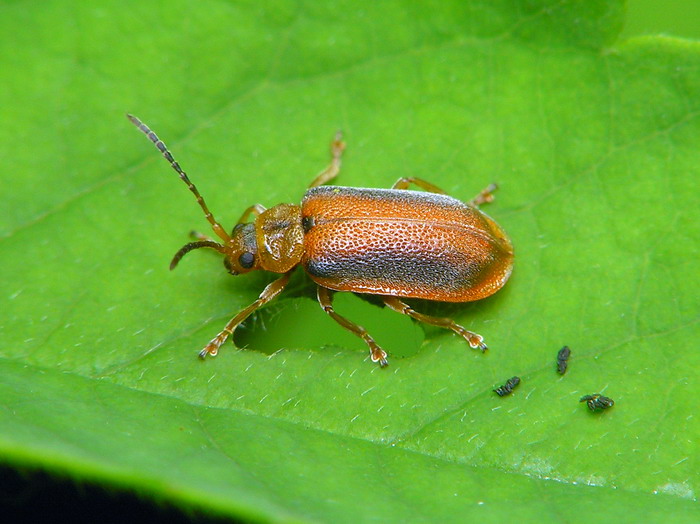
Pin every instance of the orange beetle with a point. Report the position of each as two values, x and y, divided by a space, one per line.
388 242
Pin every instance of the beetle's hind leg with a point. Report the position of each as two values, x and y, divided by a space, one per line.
474 339
328 174
485 196
325 298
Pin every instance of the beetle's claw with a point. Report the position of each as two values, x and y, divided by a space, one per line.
210 349
483 347
379 355
476 341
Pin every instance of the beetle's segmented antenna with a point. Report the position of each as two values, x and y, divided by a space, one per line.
218 229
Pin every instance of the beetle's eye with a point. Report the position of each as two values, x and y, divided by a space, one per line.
246 260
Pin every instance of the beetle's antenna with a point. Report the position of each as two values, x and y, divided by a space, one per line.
220 231
195 245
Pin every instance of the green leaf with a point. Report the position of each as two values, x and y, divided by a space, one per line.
594 145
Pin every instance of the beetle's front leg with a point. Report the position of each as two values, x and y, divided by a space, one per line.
474 339
271 291
325 298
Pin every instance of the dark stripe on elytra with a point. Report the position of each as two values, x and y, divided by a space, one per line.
420 272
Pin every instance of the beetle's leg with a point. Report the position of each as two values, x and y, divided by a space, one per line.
475 340
404 182
325 298
337 148
255 209
485 196
271 291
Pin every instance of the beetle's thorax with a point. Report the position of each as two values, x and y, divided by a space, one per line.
280 238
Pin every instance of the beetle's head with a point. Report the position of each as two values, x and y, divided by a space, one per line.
240 251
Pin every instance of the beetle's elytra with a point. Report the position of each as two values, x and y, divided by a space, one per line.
394 243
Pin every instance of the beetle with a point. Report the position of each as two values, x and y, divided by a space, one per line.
563 360
508 387
395 243
597 402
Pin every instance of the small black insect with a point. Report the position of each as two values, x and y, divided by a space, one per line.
597 402
563 359
508 387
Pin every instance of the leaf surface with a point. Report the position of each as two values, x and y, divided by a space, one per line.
592 141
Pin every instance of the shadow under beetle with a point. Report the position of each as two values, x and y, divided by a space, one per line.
394 243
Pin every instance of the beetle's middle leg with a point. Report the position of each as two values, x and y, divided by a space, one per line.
273 289
405 181
474 339
325 298
328 174
485 196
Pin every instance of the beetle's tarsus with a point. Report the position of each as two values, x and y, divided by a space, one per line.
377 354
211 349
475 340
